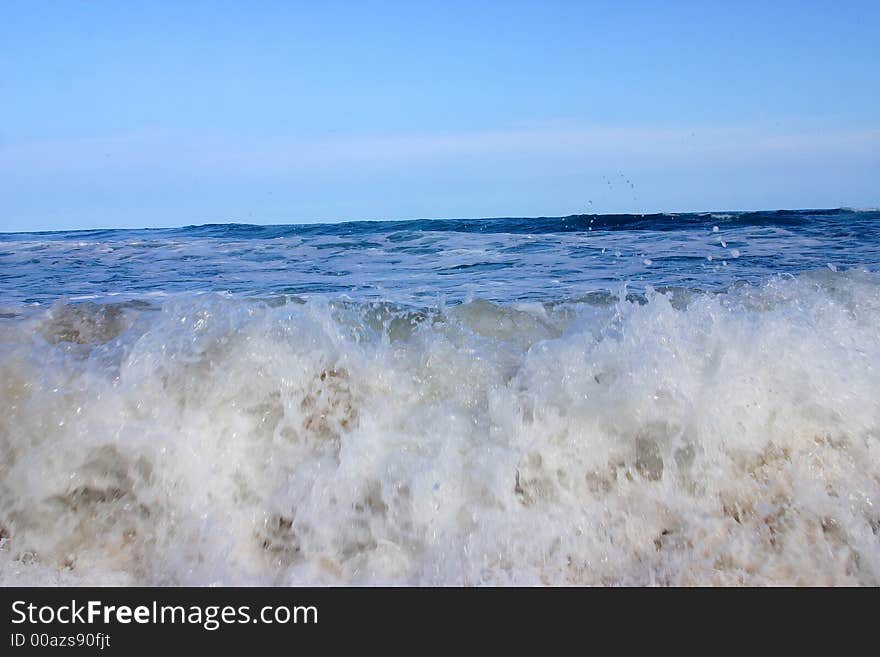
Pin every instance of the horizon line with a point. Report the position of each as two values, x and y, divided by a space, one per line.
342 222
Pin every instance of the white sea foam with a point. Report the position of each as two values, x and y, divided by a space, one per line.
689 439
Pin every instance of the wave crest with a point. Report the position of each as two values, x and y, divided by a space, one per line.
671 439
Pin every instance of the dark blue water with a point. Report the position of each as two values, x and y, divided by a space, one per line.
416 261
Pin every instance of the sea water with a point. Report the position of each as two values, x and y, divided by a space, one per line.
630 399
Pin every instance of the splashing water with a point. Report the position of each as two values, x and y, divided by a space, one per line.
509 402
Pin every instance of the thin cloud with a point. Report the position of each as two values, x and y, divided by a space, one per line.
610 145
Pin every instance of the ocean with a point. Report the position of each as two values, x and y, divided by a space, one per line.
668 399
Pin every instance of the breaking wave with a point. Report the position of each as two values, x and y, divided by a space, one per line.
671 437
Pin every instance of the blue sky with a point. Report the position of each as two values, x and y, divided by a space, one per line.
170 113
